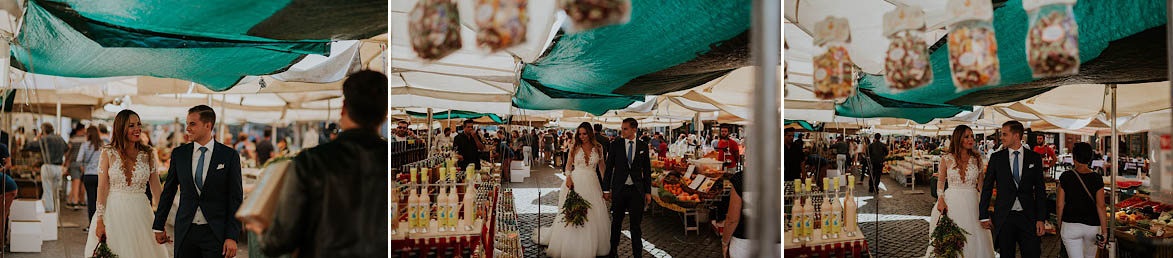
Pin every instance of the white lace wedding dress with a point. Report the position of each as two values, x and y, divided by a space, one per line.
593 238
127 216
961 201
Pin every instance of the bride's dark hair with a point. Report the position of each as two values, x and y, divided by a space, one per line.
119 143
590 134
956 148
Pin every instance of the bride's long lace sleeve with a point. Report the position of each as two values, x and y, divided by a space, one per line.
943 174
103 181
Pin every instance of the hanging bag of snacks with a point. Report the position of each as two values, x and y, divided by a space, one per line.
834 71
502 23
906 65
1052 38
590 14
973 51
434 27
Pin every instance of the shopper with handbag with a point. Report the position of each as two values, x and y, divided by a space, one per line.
1081 205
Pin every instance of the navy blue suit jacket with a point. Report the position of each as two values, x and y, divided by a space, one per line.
219 199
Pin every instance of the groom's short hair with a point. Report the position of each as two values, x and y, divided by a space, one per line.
631 122
1015 127
207 114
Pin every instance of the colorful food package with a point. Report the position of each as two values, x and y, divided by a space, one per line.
1052 38
973 50
834 72
906 64
434 28
590 14
502 23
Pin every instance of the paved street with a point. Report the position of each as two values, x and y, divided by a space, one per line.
903 221
663 230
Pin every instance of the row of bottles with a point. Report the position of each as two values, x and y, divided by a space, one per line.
835 218
407 152
506 242
442 216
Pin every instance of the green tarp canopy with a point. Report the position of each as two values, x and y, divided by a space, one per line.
211 42
457 114
805 125
1119 42
666 46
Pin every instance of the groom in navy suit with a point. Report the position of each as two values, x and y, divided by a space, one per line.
629 172
1021 205
209 174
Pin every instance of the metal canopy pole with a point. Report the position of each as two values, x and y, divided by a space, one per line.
764 160
1115 169
430 134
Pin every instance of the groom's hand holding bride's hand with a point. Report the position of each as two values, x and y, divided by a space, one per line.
1039 230
161 237
987 224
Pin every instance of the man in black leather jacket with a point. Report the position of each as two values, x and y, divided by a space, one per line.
334 204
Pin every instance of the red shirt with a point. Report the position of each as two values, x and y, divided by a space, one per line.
728 150
1047 153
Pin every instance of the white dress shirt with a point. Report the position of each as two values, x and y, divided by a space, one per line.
199 214
195 157
1010 158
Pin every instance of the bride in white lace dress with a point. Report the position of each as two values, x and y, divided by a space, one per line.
124 214
593 237
960 200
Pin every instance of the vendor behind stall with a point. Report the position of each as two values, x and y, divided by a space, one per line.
727 149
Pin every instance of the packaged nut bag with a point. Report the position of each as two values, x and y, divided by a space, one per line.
973 50
1052 38
906 64
434 28
834 76
502 23
590 14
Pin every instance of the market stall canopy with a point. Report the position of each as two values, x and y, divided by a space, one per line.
312 73
223 45
457 114
666 46
1117 40
471 78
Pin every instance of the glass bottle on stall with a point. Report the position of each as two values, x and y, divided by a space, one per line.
425 202
796 214
836 208
442 209
808 209
825 210
453 202
469 201
394 209
413 203
849 207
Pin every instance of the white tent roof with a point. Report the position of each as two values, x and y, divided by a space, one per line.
471 78
868 43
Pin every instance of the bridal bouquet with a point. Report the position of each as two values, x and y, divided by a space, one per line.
574 209
948 239
103 251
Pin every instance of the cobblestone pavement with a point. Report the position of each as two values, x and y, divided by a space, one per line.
663 230
903 221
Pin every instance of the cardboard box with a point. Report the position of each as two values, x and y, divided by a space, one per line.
26 236
26 209
49 226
